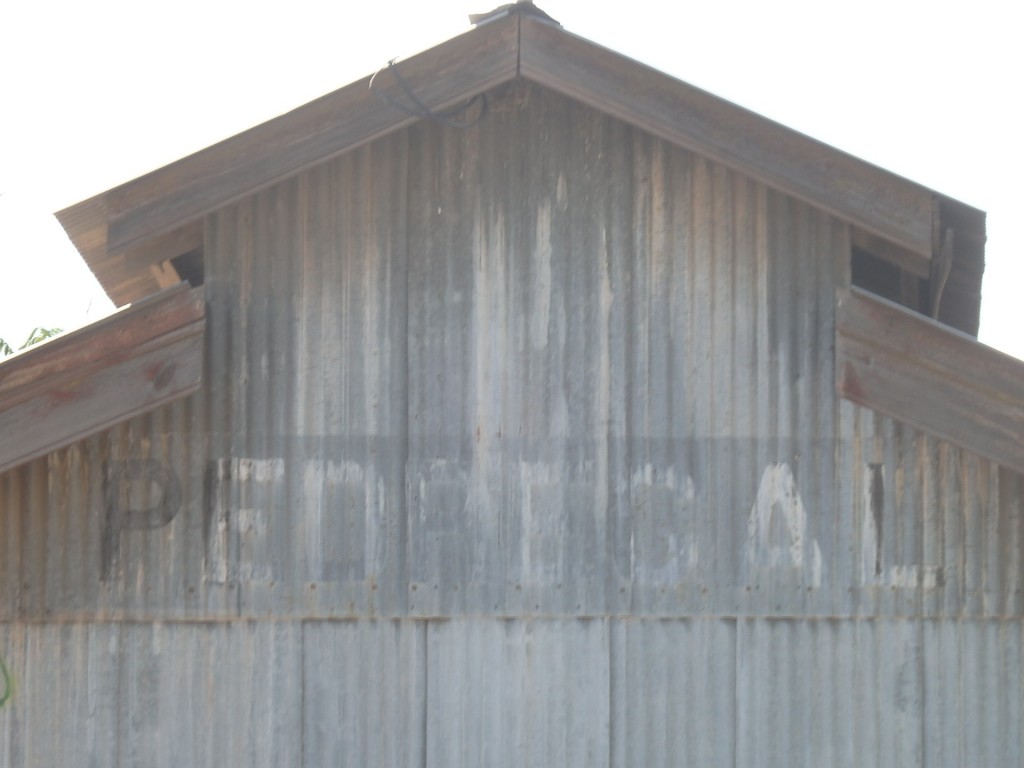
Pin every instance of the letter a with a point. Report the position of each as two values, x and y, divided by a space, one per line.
778 491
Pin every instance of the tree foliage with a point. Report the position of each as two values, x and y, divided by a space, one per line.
38 334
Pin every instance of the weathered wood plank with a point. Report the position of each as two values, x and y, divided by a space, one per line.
931 377
881 202
142 270
126 364
116 335
311 134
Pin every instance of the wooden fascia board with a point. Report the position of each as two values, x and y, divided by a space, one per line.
876 200
170 197
128 363
930 376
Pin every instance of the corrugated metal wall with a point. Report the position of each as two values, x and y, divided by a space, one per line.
518 444
589 692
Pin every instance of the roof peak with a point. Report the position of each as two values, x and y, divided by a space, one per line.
126 234
523 7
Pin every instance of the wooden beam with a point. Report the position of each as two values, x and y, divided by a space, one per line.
142 271
75 385
931 377
880 202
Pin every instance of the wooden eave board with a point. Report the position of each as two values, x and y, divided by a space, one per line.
931 377
128 363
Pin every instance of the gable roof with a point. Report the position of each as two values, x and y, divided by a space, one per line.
925 373
127 234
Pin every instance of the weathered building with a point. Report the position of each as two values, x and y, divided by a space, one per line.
523 409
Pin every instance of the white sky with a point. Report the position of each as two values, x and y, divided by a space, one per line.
97 93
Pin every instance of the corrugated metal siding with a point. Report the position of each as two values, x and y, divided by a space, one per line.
443 380
674 695
210 694
578 692
556 429
508 693
307 423
85 538
934 531
365 693
128 694
65 706
974 693
841 693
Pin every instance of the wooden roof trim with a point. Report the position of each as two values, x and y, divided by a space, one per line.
128 363
168 198
930 376
809 170
123 220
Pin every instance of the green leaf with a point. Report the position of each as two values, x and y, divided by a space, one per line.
40 334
